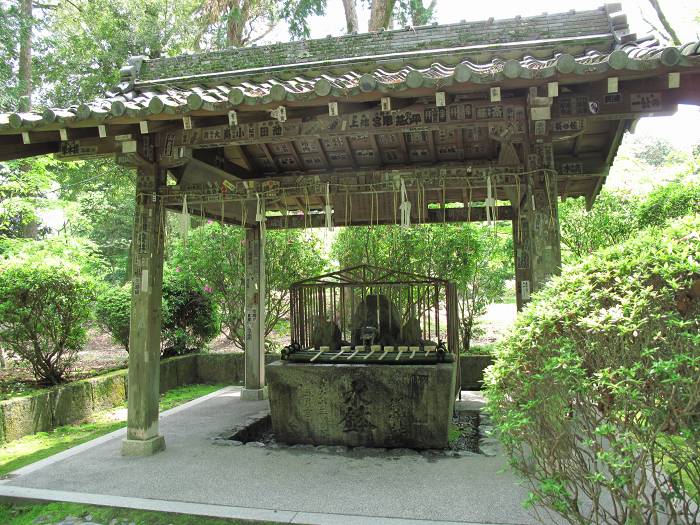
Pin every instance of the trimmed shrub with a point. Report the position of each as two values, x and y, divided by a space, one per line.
190 318
44 311
596 392
669 201
113 312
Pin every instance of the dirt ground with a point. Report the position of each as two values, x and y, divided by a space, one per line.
101 354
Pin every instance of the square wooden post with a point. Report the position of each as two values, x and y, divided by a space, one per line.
536 236
255 388
142 437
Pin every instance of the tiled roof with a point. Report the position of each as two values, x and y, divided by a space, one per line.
560 46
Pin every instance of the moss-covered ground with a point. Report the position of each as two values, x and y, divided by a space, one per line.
28 449
56 512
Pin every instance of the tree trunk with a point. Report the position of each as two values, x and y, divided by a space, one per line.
664 21
380 15
25 52
237 16
421 15
351 15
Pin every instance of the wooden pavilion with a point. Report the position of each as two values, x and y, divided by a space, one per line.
463 122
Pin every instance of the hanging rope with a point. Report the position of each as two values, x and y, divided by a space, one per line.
329 214
405 206
490 202
184 220
260 210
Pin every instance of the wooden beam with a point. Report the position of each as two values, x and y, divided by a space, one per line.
377 152
216 159
431 145
434 216
324 154
21 151
270 157
403 147
295 153
349 152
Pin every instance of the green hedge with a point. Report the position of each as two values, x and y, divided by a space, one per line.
597 390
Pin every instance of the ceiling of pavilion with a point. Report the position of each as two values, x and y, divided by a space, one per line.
188 101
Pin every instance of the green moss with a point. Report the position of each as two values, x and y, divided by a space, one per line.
453 433
35 447
53 512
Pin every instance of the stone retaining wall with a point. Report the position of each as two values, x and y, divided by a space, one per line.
78 400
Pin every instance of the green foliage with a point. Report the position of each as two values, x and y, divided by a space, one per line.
616 216
231 23
94 38
669 202
190 315
71 250
611 220
596 391
651 150
113 312
23 185
414 12
477 259
23 514
213 257
44 308
103 196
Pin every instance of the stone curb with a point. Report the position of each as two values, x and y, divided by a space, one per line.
9 494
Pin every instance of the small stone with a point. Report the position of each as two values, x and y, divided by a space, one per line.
323 449
88 517
223 442
235 442
486 430
258 444
490 447
340 449
465 454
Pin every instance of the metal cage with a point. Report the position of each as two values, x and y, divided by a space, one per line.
366 307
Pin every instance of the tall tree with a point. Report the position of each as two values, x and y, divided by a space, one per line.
415 12
25 52
238 23
664 22
380 14
351 16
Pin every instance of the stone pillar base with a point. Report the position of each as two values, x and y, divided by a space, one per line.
138 447
257 394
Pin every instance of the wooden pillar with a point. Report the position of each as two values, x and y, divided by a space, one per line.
536 236
255 388
536 241
142 436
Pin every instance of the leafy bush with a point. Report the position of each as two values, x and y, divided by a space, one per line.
669 201
612 220
190 318
113 312
44 309
596 392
